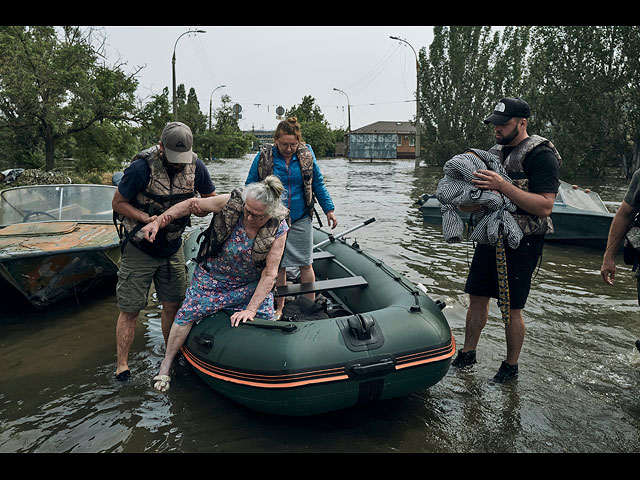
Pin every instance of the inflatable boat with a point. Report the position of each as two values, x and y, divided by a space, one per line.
371 335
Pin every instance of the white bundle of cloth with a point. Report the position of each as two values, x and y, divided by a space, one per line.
456 189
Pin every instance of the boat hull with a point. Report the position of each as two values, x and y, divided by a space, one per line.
56 265
299 368
572 226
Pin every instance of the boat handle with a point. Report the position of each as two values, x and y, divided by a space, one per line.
359 369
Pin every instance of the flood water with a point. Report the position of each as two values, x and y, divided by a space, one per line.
579 370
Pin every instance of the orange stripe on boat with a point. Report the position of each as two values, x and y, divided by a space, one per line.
311 377
428 357
194 361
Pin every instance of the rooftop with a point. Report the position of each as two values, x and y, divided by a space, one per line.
406 128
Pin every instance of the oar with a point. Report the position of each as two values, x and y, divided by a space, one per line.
335 237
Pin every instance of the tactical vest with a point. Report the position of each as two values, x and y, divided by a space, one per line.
530 224
305 157
223 223
161 192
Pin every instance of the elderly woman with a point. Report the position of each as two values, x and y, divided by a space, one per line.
294 163
237 262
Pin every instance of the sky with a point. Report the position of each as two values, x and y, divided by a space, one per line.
262 68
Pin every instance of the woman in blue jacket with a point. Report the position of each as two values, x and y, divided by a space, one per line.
294 163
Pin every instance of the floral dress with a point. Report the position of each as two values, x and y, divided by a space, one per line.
230 282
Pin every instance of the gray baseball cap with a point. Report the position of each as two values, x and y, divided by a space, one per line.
177 142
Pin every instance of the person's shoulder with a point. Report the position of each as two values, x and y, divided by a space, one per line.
636 175
200 165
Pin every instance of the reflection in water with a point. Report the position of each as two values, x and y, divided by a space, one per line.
577 390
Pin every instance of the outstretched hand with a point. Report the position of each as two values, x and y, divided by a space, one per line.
150 230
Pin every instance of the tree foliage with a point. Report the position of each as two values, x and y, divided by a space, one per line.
53 85
581 83
315 128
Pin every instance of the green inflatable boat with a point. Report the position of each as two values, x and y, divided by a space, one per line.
371 335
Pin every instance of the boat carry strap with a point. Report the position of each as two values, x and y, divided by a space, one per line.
287 328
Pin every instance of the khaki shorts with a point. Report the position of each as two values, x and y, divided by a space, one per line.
137 270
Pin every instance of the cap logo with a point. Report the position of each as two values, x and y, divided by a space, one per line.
180 144
500 107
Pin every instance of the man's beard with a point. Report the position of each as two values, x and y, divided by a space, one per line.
172 167
508 138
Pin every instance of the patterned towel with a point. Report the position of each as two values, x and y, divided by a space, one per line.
495 224
456 189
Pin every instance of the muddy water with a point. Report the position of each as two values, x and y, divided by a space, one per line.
577 390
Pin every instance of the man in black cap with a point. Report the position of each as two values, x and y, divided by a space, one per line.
156 179
532 162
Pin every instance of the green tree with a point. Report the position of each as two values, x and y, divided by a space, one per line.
315 128
576 92
454 78
189 111
225 139
52 81
155 114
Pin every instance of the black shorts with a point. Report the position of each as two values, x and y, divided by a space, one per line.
521 263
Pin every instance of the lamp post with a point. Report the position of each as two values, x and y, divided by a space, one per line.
417 162
348 143
211 103
348 108
173 69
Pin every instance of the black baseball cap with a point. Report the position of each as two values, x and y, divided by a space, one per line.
508 108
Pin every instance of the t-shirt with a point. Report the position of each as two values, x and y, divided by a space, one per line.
136 178
632 197
137 174
541 168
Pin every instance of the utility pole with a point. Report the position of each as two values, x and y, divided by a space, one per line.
348 143
348 108
417 162
211 103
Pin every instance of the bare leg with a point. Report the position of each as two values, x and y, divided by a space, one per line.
125 333
515 336
307 275
477 315
177 338
169 310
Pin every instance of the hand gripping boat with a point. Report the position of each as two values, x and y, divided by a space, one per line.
380 338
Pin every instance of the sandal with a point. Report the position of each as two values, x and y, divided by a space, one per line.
163 382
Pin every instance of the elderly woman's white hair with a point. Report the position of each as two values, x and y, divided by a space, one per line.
267 192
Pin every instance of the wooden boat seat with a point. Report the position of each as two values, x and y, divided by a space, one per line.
320 285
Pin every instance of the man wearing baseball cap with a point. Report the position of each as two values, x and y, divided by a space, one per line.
532 163
156 179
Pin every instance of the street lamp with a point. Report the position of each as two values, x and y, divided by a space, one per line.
348 107
417 163
173 69
211 103
348 117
